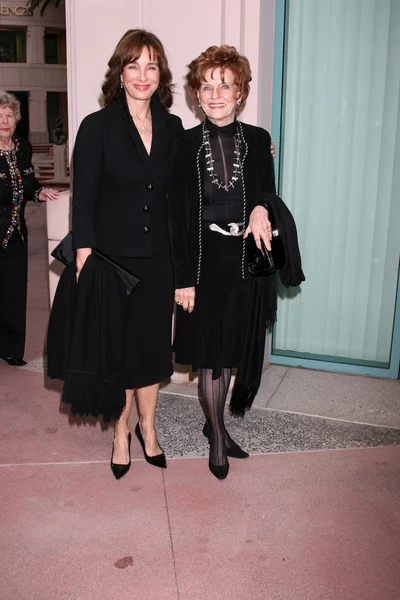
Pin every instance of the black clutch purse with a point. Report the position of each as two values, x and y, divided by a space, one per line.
66 254
266 262
63 251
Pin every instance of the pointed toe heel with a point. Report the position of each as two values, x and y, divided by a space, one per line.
120 470
233 451
158 460
236 452
14 361
219 471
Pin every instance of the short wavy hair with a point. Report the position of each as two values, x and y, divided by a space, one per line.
223 57
129 49
7 99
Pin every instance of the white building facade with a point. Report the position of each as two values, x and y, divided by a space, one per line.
33 66
326 81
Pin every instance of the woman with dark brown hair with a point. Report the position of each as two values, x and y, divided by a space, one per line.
222 189
122 162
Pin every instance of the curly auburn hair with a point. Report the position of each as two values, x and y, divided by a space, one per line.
129 49
223 57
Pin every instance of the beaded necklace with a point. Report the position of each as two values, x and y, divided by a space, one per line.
210 161
17 192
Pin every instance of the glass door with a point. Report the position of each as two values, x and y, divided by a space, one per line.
336 116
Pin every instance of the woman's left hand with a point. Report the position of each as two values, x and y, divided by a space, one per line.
48 194
260 227
186 297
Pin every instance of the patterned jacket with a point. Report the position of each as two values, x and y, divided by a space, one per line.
18 184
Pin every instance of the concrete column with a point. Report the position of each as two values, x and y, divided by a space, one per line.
57 228
38 133
246 24
35 44
60 162
185 32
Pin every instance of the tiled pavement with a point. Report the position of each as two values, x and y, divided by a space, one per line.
313 514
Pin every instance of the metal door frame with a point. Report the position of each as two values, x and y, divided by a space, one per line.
392 372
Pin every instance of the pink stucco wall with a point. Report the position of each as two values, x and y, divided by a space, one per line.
186 27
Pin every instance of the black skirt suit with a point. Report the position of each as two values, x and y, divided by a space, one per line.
17 185
119 207
212 336
233 310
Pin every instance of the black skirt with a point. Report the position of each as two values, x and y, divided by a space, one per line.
148 351
212 335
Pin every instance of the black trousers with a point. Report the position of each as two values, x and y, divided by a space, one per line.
13 285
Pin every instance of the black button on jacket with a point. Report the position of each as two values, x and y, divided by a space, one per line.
119 191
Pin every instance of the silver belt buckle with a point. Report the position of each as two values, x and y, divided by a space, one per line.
234 229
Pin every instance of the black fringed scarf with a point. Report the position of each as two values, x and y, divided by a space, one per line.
85 342
262 309
260 317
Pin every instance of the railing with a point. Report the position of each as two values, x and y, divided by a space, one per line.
51 163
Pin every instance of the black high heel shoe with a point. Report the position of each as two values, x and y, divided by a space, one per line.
158 460
219 471
121 470
13 361
233 451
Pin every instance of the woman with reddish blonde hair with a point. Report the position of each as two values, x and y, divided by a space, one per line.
222 188
221 58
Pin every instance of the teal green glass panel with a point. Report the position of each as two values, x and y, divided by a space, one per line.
340 176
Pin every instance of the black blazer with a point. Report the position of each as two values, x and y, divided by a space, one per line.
119 191
30 184
185 189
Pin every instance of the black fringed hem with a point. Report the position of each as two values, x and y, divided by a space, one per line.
249 375
242 399
89 395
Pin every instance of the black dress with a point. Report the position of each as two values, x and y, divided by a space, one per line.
148 352
233 310
119 207
212 335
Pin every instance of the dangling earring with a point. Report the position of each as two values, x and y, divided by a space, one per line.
122 85
238 104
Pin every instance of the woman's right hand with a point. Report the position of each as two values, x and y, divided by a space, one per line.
81 256
185 297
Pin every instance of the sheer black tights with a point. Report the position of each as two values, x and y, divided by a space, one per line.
213 397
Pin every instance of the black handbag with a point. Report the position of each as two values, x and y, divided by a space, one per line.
65 253
266 262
